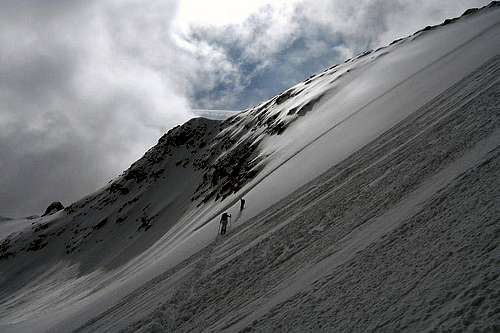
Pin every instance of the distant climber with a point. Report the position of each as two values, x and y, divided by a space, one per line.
224 221
242 204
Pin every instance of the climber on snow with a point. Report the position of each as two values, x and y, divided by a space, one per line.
224 221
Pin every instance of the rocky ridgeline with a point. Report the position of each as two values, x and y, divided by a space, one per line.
225 154
468 12
174 149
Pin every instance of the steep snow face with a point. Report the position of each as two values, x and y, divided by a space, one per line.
59 271
333 114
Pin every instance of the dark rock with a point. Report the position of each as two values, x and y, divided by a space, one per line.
396 41
53 208
136 174
4 249
100 224
145 223
37 244
449 21
493 4
470 11
285 96
117 187
121 219
39 227
292 111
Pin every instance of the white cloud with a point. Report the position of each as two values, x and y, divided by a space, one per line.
220 13
290 38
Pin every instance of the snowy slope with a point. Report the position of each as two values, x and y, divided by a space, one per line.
364 165
213 114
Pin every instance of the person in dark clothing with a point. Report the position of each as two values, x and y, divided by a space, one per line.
242 204
224 221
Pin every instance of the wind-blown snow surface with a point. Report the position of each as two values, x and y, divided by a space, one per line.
371 190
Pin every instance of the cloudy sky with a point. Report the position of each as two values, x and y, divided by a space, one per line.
87 86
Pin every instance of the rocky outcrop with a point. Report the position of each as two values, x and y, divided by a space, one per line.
53 208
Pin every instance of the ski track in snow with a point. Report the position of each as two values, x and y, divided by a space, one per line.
293 267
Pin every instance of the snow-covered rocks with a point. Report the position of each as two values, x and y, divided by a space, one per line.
53 208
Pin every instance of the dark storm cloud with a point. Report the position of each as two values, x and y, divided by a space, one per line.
81 96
